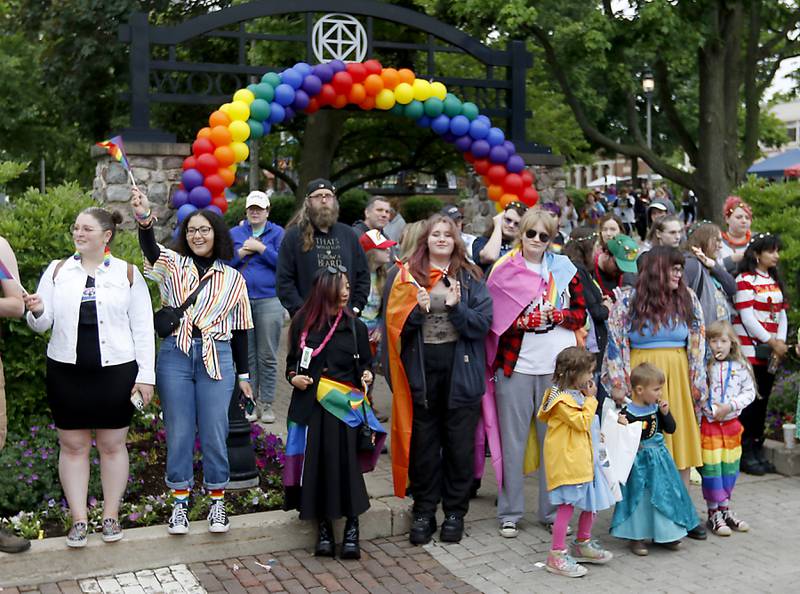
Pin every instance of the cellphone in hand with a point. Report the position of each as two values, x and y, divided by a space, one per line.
137 400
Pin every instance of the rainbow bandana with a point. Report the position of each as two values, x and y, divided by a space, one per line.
347 404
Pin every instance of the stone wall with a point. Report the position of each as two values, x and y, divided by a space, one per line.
156 167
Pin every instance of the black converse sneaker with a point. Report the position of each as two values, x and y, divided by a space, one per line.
179 521
218 518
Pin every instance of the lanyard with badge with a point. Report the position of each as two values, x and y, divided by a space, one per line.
307 352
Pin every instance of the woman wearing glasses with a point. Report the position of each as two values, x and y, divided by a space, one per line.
199 364
500 238
538 307
437 314
101 351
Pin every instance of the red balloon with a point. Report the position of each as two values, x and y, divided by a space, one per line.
527 177
496 174
215 184
189 163
357 71
482 166
207 164
512 184
530 196
327 95
313 106
373 67
342 81
367 104
469 157
221 203
357 94
201 146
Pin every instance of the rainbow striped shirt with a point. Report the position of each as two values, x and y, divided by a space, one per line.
221 307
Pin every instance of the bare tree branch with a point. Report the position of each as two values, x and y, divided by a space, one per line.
359 165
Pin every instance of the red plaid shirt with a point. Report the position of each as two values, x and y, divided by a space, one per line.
511 341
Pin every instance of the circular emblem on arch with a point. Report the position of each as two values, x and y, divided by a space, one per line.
338 36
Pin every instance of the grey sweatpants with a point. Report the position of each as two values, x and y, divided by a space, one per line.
518 400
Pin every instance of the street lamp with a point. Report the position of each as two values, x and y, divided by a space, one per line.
648 86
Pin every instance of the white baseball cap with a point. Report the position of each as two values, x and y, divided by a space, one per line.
257 198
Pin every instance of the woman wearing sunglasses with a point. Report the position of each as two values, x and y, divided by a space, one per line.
198 363
438 312
538 307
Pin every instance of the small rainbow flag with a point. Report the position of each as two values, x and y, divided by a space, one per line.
552 292
5 273
116 149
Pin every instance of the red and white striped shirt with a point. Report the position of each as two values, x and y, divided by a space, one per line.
760 312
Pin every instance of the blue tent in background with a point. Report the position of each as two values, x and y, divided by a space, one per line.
775 166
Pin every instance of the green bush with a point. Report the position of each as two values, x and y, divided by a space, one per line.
352 204
419 208
235 213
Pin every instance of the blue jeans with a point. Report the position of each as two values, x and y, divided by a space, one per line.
193 403
263 341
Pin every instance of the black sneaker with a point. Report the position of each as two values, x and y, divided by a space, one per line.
452 528
179 520
698 532
422 529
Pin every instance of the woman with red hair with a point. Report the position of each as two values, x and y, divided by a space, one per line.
738 217
660 321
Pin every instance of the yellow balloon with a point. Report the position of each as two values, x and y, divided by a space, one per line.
422 89
244 95
498 207
404 93
385 99
239 110
438 90
239 130
226 108
234 167
240 150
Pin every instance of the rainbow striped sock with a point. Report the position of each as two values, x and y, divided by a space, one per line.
217 494
180 496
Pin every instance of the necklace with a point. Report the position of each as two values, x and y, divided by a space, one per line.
733 242
318 350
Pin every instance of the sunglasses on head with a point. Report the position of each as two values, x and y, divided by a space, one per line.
532 233
336 269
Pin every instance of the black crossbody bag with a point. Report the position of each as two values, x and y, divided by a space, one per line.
365 438
167 319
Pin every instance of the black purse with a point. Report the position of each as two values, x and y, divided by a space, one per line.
167 319
365 437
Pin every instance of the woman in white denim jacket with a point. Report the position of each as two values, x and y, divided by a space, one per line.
100 353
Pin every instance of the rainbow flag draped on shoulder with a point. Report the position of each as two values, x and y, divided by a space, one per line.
5 273
347 404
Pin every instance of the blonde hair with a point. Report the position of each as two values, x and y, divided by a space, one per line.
722 328
647 374
410 238
570 364
537 215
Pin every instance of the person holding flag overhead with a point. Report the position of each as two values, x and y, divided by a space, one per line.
333 435
437 314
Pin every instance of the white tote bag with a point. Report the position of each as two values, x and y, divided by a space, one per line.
621 444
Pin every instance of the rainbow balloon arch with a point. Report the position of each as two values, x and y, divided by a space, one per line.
303 88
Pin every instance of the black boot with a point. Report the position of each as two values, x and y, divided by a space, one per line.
350 548
758 451
326 547
452 528
749 463
422 528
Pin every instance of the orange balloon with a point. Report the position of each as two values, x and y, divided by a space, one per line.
373 84
367 104
227 176
340 101
495 192
219 118
406 76
507 199
390 78
221 136
357 93
204 133
225 155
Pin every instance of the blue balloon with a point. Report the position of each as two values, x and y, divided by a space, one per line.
485 120
215 209
337 65
184 211
284 94
459 125
498 154
267 127
312 84
424 122
440 124
515 164
200 197
302 68
288 114
480 148
179 198
192 178
495 136
478 129
463 143
323 72
301 100
276 113
509 146
292 78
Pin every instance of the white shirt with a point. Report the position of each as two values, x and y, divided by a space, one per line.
124 315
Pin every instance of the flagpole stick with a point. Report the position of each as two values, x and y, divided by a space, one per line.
133 181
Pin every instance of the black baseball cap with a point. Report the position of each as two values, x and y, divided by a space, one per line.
320 184
452 211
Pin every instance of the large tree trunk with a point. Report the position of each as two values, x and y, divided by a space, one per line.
320 140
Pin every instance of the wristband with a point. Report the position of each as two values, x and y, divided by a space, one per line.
143 218
244 377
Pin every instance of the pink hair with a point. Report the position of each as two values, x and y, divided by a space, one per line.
734 202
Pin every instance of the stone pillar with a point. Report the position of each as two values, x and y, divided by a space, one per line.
156 167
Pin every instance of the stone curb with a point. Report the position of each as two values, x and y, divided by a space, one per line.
786 461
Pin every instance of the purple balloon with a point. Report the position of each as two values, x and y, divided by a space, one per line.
498 154
215 209
276 113
292 77
424 122
301 100
495 136
440 124
449 137
478 129
515 164
288 114
192 178
302 68
200 197
179 198
312 84
480 148
284 94
323 72
337 65
184 211
459 125
509 146
463 143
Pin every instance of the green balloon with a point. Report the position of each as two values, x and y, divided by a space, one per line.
271 78
264 91
256 128
414 110
452 106
398 109
468 109
259 109
434 107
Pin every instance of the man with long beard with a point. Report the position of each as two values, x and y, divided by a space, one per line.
315 239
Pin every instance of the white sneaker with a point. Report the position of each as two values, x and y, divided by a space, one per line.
217 518
267 416
508 530
179 520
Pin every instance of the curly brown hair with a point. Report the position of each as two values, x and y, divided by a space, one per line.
571 363
653 302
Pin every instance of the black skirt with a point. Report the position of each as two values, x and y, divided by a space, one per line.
89 396
333 486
